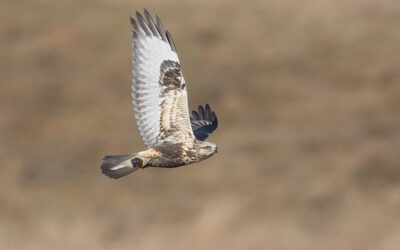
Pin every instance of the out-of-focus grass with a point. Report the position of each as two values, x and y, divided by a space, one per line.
307 94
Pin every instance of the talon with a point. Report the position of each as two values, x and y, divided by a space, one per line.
136 162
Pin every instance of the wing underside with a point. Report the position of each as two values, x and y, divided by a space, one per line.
158 87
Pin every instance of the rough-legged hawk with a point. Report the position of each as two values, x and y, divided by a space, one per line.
172 137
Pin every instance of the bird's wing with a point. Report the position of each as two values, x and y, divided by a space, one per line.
158 87
204 122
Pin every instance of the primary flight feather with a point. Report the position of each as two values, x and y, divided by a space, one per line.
159 95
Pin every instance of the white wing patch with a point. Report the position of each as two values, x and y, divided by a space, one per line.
159 109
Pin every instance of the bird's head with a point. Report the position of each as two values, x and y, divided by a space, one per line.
207 149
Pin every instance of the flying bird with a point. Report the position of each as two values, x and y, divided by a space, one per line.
159 92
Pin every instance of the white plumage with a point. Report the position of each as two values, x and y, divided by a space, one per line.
148 99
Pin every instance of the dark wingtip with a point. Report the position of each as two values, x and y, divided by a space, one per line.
214 119
201 112
150 23
204 122
138 15
151 27
171 41
213 116
207 112
195 115
160 28
146 13
143 24
134 24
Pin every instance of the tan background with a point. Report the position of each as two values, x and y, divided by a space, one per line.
307 94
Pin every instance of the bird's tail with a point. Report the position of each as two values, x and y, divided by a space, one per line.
117 166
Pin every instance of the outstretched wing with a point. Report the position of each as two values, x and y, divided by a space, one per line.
204 122
158 87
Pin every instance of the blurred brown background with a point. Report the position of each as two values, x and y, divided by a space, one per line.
307 94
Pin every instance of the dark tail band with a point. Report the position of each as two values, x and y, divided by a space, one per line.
117 166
